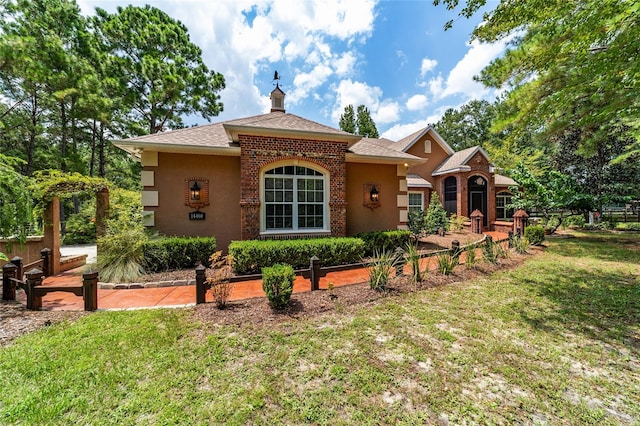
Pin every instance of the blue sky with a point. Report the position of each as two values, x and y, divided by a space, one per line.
392 56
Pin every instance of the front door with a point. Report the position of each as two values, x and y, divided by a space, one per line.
478 197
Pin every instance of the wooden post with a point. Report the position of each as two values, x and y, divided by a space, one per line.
34 278
455 248
510 239
52 234
47 267
201 291
17 260
8 286
314 268
90 291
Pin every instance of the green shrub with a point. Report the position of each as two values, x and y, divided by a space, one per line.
277 283
250 256
534 234
170 253
456 223
81 227
447 262
383 240
575 221
489 252
520 244
628 226
413 258
415 222
120 253
436 216
471 260
380 267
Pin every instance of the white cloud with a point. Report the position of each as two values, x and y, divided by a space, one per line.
427 65
355 93
417 102
399 131
387 112
460 78
304 83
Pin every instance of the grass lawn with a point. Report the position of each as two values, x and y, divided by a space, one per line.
555 341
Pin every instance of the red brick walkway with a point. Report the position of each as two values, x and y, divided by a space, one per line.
186 295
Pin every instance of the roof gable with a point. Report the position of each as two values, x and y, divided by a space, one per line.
406 143
458 161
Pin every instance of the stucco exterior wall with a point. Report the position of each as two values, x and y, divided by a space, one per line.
361 218
222 215
434 159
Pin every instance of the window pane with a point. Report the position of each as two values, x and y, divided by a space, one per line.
288 197
289 170
319 196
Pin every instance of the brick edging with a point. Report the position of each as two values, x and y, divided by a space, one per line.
153 284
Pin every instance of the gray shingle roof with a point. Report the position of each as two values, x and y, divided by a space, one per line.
501 180
417 181
458 161
370 147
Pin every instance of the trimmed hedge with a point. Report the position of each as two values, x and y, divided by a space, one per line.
169 253
251 256
383 240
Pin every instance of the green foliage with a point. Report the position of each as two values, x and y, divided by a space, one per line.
56 183
165 75
124 206
383 240
628 226
436 216
534 234
575 221
415 223
568 67
413 258
171 253
447 262
456 222
251 255
471 256
277 283
468 126
15 200
490 251
3 257
120 252
520 244
361 124
380 268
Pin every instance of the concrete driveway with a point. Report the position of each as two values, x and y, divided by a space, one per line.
88 249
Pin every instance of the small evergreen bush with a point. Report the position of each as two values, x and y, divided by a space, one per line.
415 223
534 234
170 253
436 217
383 240
277 283
250 255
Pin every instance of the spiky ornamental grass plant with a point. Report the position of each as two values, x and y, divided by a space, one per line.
520 244
413 257
471 257
380 267
447 262
120 251
219 282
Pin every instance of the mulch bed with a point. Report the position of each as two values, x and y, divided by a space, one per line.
15 320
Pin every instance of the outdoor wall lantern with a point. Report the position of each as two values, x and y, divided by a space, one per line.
195 191
371 196
374 195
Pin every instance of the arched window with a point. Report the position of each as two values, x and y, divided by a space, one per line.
503 199
295 199
451 195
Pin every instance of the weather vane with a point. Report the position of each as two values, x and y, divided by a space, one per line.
276 77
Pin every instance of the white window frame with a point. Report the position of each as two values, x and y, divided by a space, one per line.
295 229
409 205
504 195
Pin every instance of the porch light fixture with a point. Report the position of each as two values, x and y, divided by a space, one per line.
195 191
374 195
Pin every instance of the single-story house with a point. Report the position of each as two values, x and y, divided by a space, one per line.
278 175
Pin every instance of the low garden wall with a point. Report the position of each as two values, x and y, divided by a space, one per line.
29 251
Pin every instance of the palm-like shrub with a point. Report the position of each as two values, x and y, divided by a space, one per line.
380 267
